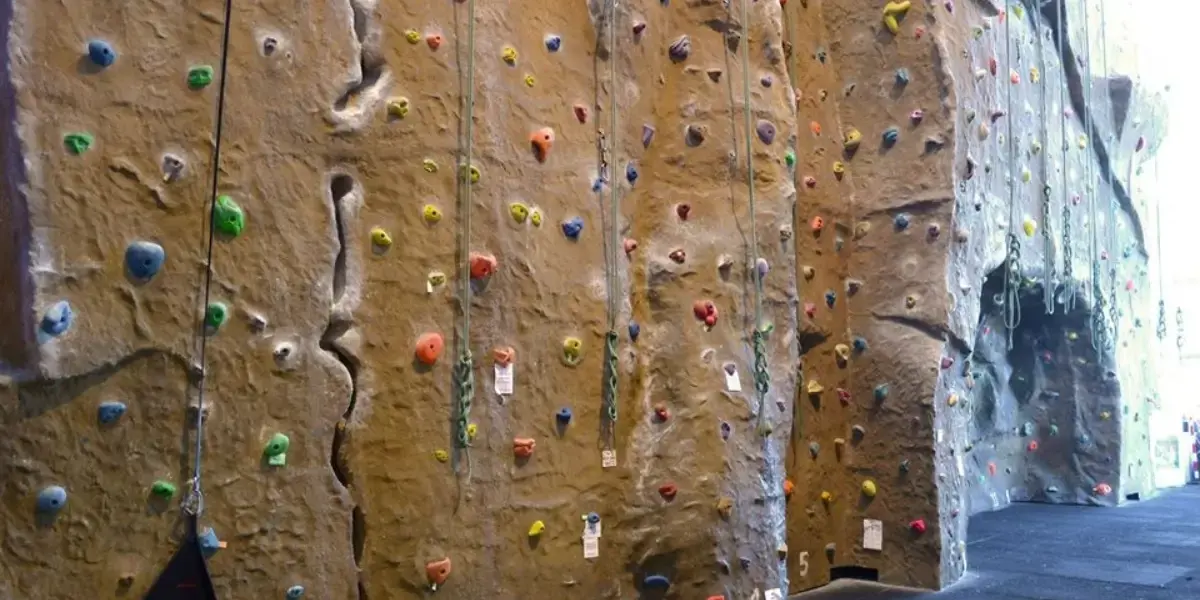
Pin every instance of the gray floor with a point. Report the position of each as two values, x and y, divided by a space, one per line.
1147 550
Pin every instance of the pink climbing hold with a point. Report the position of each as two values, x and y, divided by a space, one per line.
947 362
918 526
843 396
1129 285
992 65
630 245
581 113
810 310
916 116
810 181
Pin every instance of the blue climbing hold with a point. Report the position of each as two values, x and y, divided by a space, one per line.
634 331
901 221
57 320
563 415
101 53
209 542
890 136
51 499
597 184
745 562
881 392
830 298
294 592
902 76
656 581
572 227
110 411
144 259
631 173
553 43
593 518
860 344
726 429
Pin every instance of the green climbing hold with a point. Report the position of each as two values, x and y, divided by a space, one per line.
230 219
215 315
276 450
78 143
790 158
199 77
163 489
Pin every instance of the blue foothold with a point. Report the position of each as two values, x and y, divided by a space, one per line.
553 43
597 184
110 411
209 542
51 499
295 591
144 259
901 221
101 53
563 415
57 320
860 344
830 298
634 331
881 392
572 227
593 518
891 135
656 581
631 173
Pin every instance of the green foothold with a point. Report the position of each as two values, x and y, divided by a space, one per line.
790 158
230 219
1053 429
215 315
78 143
199 77
163 489
276 450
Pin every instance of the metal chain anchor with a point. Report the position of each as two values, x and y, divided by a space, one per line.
1179 329
1012 299
1162 320
1051 266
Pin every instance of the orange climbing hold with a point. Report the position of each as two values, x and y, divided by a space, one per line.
523 447
482 265
437 572
810 181
429 347
815 128
668 491
541 141
1102 489
817 224
434 41
504 355
788 488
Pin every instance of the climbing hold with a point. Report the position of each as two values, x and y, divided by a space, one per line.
631 172
381 238
706 311
842 352
725 507
839 170
230 218
656 581
814 449
429 347
947 362
78 143
572 228
397 108
434 41
788 488
434 279
766 81
530 80
412 35
726 429
1033 446
541 141
892 13
199 77
852 140
881 392
144 259
108 412
509 55
1034 74
817 224
101 53
163 489
789 158
441 455
482 265
868 488
553 43
537 528
933 231
429 165
473 171
535 217
858 432
761 268
668 491
901 221
694 135
51 499
523 447
904 466
215 315
902 77
504 355
563 416
1083 141
1030 226
683 210
1102 489
518 211
431 214
294 592
209 542
830 298
890 136
910 301
680 49
810 182
572 351
808 272
647 135
917 526
634 331
1014 77
437 572
678 256
276 450
765 131
814 387
661 414
952 400
826 497
860 345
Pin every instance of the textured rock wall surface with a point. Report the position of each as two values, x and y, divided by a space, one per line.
343 123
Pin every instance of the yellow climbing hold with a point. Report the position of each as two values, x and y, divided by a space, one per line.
434 279
1026 175
1105 415
842 351
1083 140
1072 336
1030 226
1034 74
431 213
814 387
868 488
892 12
538 528
441 455
509 55
1035 147
530 81
852 140
572 351
952 400
826 497
398 107
429 165
472 429
861 229
535 217
519 212
413 36
839 168
1018 11
381 238
475 175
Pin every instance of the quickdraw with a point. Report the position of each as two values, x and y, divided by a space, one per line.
464 368
1012 278
1068 248
1049 263
610 393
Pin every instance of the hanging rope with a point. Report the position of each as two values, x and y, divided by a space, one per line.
1098 326
1162 302
464 369
1114 314
1179 331
1049 264
762 378
613 276
1012 262
1069 287
193 504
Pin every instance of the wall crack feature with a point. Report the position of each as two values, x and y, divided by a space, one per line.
370 79
940 333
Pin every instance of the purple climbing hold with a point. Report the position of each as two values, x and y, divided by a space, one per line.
766 81
762 268
766 131
726 429
680 49
647 135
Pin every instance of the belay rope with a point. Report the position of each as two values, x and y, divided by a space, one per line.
1114 314
1049 269
608 429
1098 326
1012 261
1162 296
1069 286
464 368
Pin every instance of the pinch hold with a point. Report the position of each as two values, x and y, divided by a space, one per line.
541 142
437 572
893 12
523 447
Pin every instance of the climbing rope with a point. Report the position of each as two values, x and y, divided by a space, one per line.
1069 287
1114 314
762 378
1179 331
1162 302
1098 326
464 369
1012 261
613 276
193 504
1049 265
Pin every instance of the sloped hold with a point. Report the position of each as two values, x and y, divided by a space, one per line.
765 131
230 219
101 53
482 265
110 412
437 572
144 259
57 319
524 447
541 141
429 348
680 49
893 12
51 500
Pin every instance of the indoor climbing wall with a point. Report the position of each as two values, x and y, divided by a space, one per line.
498 298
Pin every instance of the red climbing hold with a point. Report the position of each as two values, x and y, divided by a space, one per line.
438 571
919 32
992 65
788 488
429 347
541 141
661 414
523 447
810 310
1033 446
706 311
810 181
581 113
918 526
504 355
843 395
668 491
683 210
482 265
434 41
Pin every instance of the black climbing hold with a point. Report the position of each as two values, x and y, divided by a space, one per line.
57 319
656 581
144 259
726 429
901 221
631 172
694 135
647 135
745 562
101 53
109 412
634 331
51 499
902 76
